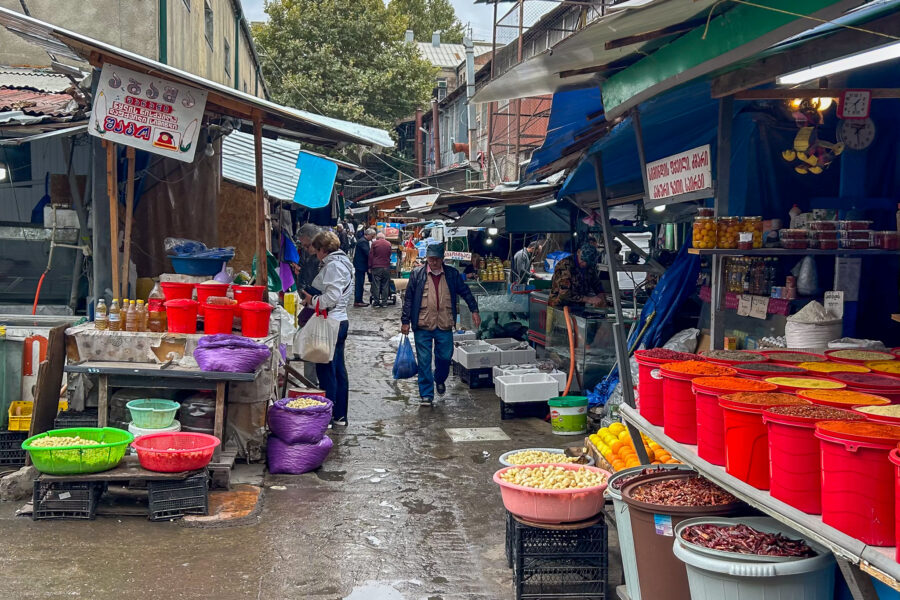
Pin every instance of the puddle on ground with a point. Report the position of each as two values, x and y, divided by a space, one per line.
418 507
476 434
440 580
374 591
331 475
479 458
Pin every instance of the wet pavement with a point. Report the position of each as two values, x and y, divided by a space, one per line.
397 512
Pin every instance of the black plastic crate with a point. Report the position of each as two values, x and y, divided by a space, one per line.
73 418
169 499
510 539
66 499
556 579
11 452
523 409
566 543
475 378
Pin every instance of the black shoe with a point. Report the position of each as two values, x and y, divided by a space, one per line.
342 422
441 389
426 402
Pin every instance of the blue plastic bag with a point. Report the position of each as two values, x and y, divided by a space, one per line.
405 364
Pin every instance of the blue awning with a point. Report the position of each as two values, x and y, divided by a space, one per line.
571 114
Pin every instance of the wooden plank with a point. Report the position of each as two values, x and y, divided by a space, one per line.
262 271
789 93
676 29
219 423
103 401
129 468
49 382
112 190
129 219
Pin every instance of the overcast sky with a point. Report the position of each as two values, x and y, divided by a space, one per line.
468 12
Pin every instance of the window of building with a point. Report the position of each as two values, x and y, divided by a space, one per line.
227 58
208 22
187 4
441 88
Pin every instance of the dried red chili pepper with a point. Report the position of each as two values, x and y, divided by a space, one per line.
683 491
743 539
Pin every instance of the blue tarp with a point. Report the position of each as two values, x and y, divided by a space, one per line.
568 117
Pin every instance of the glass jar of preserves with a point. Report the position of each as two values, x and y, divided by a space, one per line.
704 232
727 232
753 225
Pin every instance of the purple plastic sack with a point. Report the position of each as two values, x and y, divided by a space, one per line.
295 459
300 425
230 353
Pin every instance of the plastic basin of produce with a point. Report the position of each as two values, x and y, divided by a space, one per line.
175 452
843 398
248 293
878 384
711 419
793 384
181 315
795 462
894 457
219 318
205 290
650 385
715 575
140 431
152 413
858 479
561 452
740 356
255 318
176 290
791 357
552 506
74 460
746 436
679 403
760 371
857 356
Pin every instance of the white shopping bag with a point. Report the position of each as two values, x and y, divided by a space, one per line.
316 341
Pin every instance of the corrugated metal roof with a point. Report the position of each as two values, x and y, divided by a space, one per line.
37 103
33 79
447 55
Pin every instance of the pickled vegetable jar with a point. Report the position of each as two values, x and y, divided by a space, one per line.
704 231
727 232
753 225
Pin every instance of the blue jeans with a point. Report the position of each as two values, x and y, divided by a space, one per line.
333 376
360 282
443 351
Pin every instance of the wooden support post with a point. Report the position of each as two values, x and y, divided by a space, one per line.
262 266
112 189
102 400
129 218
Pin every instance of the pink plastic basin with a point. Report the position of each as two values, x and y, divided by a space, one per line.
553 506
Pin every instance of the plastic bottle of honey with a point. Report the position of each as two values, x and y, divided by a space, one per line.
101 316
132 319
115 316
142 315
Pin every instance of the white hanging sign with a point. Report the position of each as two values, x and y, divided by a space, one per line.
681 173
147 113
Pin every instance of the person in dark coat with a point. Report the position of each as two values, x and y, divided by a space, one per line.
361 265
429 307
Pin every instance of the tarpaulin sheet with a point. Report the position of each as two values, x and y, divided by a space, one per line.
568 117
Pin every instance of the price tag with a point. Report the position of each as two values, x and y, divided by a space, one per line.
744 305
834 304
759 307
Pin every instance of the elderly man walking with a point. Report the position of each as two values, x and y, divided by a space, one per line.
429 306
380 268
361 265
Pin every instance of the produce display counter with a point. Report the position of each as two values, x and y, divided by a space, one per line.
876 561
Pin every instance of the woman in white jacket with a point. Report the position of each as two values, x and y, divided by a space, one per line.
333 289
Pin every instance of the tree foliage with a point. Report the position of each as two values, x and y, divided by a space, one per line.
427 16
344 59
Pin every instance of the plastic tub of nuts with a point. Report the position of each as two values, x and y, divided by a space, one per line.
549 493
532 456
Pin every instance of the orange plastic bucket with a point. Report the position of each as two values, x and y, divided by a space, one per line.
175 290
218 318
182 315
205 290
248 293
255 319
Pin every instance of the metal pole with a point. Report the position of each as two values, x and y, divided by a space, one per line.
470 91
519 100
619 334
492 106
262 263
639 138
723 177
112 189
420 171
436 134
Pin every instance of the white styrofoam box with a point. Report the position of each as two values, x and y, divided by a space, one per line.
512 354
477 356
559 376
464 336
66 218
466 344
530 387
502 341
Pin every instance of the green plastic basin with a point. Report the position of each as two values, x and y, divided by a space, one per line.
74 460
152 413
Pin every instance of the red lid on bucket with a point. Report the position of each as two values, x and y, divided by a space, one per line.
689 369
860 431
759 401
256 306
180 303
728 384
808 414
872 381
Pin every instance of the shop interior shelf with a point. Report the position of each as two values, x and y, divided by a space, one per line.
789 252
878 561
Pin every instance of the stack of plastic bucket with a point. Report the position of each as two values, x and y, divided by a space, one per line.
872 383
248 293
650 386
660 573
795 461
176 290
710 419
858 479
623 521
746 436
720 575
181 315
679 404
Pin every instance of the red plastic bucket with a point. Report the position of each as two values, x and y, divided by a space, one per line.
791 357
182 315
248 293
872 383
205 290
795 461
746 436
842 398
791 387
858 479
650 389
255 319
176 290
218 319
894 457
747 370
874 417
679 404
751 357
711 419
835 355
